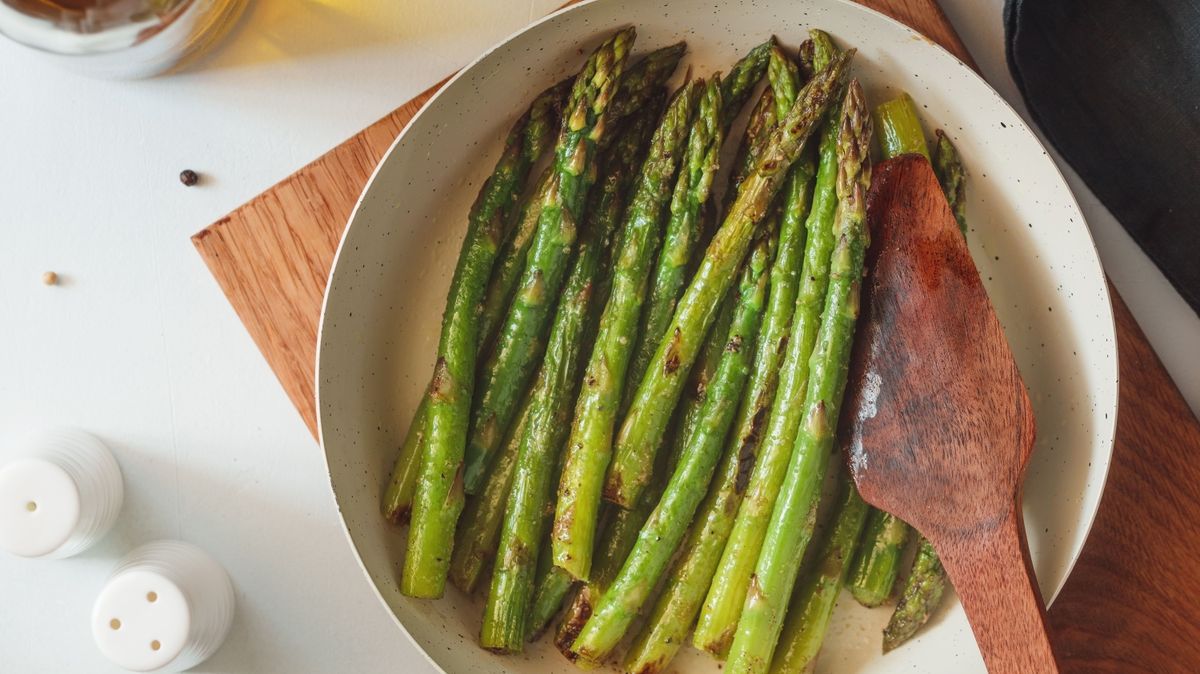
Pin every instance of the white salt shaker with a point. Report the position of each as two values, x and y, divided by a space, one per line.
60 492
167 607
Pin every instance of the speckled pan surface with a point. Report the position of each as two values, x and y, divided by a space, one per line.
385 296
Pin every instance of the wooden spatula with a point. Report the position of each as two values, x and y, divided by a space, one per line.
939 426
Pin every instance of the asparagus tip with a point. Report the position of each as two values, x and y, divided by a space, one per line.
818 35
806 58
891 641
853 145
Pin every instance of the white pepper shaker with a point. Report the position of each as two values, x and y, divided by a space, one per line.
60 492
166 607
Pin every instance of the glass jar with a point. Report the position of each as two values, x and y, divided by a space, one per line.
119 38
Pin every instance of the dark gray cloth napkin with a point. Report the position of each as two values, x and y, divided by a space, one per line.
1115 86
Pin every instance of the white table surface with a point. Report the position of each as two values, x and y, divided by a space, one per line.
138 345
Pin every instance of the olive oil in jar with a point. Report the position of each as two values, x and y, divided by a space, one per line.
119 38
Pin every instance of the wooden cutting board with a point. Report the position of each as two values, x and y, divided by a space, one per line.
1132 603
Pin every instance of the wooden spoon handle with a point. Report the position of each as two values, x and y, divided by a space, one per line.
993 577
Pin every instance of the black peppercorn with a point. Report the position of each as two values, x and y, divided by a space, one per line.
189 177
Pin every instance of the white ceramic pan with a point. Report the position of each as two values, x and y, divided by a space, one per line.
383 306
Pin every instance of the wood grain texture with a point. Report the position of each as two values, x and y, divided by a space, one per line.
272 256
943 440
1130 605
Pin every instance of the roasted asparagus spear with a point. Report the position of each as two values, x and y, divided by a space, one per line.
491 215
757 487
668 522
643 429
793 518
590 442
507 614
439 496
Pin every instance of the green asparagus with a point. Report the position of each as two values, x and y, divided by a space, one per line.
811 606
762 119
439 497
923 590
622 164
510 263
807 57
735 89
491 217
551 590
785 80
478 534
795 205
758 132
641 82
622 531
794 515
921 595
509 366
507 617
621 527
675 611
643 429
757 477
397 497
949 169
683 231
480 530
591 430
823 49
784 77
739 83
639 86
877 563
899 128
668 522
